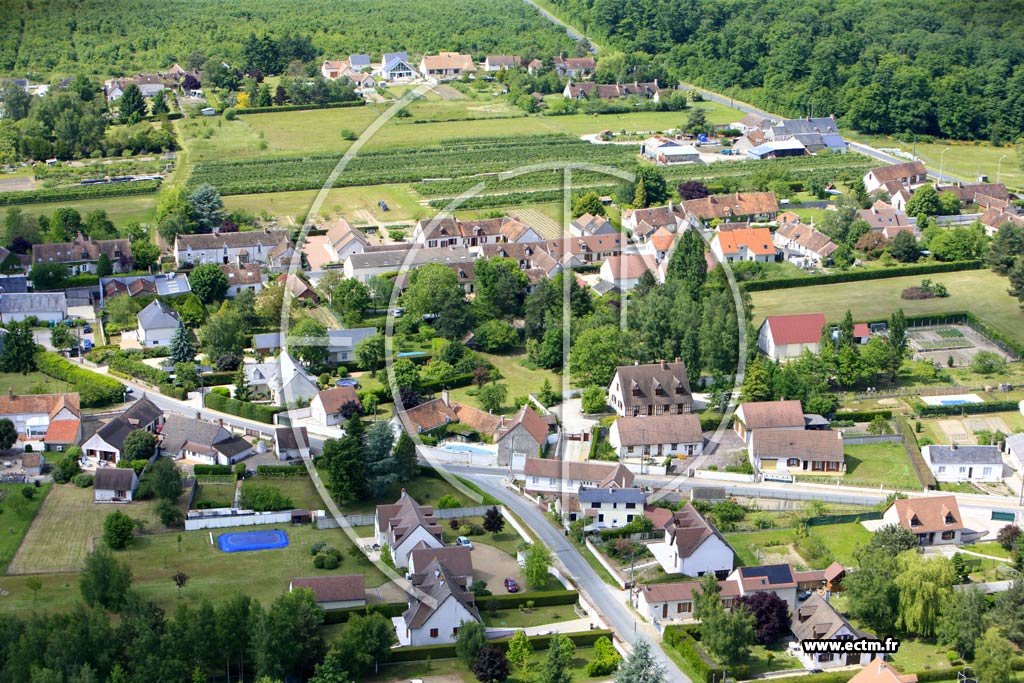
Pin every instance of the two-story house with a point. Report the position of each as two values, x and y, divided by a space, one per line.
559 477
692 546
107 444
755 415
651 389
955 463
83 254
157 324
404 525
254 246
54 420
773 578
816 619
744 244
935 520
784 337
657 436
334 406
610 507
437 610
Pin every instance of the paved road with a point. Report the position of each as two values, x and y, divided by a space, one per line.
573 33
605 599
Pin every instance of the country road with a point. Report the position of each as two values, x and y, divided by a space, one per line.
573 32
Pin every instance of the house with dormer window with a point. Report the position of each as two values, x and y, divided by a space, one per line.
935 520
652 389
254 246
816 619
406 525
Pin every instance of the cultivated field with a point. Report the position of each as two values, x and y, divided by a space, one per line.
66 528
980 291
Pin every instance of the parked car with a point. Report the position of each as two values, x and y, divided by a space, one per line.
803 596
464 542
87 344
511 586
87 328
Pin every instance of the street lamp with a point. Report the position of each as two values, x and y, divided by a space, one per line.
942 158
999 167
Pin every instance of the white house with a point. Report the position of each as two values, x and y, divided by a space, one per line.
955 463
662 150
114 485
651 389
334 592
46 306
610 507
783 337
1015 451
291 442
435 618
802 245
692 546
625 270
157 324
588 224
107 443
502 62
53 420
674 601
935 520
283 379
242 277
548 476
343 240
333 406
446 65
797 451
254 246
658 436
744 244
404 525
909 174
774 578
395 66
458 560
206 443
755 415
816 619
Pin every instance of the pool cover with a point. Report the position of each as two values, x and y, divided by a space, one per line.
240 541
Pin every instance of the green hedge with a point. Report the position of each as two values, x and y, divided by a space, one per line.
250 411
700 664
281 471
76 192
94 389
928 676
540 599
299 107
137 369
709 423
168 389
925 410
213 469
213 379
858 275
864 415
422 652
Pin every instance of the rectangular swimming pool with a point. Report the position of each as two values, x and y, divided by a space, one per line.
241 541
464 448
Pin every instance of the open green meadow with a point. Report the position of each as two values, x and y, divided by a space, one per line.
348 201
121 210
16 514
880 464
980 291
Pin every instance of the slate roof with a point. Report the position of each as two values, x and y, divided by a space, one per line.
772 414
178 430
12 284
881 216
930 513
114 479
347 339
440 585
334 588
817 619
508 61
612 495
157 315
457 559
396 258
603 474
803 126
794 443
400 519
964 455
359 61
35 302
658 429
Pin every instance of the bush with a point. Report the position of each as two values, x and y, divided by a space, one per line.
263 498
170 514
317 547
250 411
230 114
239 470
137 369
212 469
859 275
447 502
863 415
118 530
925 410
95 390
83 480
281 471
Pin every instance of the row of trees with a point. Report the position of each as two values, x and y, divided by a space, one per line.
366 463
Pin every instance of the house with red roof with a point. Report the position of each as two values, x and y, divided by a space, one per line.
745 244
783 337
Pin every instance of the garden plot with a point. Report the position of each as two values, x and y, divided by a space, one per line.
939 344
963 431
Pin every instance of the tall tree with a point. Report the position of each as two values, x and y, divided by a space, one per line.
871 590
708 599
519 650
366 643
963 621
243 392
538 561
500 287
994 661
771 615
345 462
131 108
208 282
434 291
287 641
380 463
557 667
471 640
491 665
104 581
923 585
19 348
8 433
640 666
406 465
181 348
140 444
307 341
206 207
687 263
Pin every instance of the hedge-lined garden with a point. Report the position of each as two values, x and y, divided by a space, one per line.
859 275
250 411
95 390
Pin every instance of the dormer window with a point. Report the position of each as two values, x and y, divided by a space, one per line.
949 518
915 522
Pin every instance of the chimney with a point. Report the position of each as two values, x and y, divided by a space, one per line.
664 365
444 397
678 359
403 494
953 446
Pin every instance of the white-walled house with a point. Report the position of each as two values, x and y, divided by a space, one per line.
114 485
45 306
611 507
955 463
107 443
157 324
755 415
651 389
783 337
331 406
404 525
674 601
816 619
435 618
692 546
935 520
254 246
792 451
773 578
334 592
658 436
549 476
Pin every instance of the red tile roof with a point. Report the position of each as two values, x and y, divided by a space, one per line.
334 588
757 241
62 431
930 514
803 328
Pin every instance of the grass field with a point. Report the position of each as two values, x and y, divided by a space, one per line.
30 383
213 574
122 210
507 540
513 618
300 490
880 463
452 670
520 380
979 291
746 545
425 490
67 526
217 494
843 539
346 201
16 516
989 548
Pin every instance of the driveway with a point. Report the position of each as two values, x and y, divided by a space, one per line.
493 565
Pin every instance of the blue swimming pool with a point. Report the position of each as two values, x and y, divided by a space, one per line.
406 354
953 402
240 541
465 448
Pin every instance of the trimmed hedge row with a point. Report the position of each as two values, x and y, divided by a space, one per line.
281 471
76 192
709 423
681 639
94 389
434 652
864 415
168 389
213 469
250 411
395 609
137 369
858 275
217 378
929 676
925 410
299 107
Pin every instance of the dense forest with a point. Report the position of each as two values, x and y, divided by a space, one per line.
953 68
115 37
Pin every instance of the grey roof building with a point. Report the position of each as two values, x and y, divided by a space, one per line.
157 315
961 455
612 495
43 305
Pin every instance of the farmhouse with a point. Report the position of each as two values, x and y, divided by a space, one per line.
404 525
755 415
107 443
585 90
229 247
44 306
114 485
935 520
792 451
816 619
573 67
651 389
363 266
744 244
674 601
956 463
334 592
451 232
446 66
435 618
82 255
783 337
657 436
909 174
157 324
662 150
692 546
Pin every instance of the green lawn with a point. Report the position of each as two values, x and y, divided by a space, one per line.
31 383
988 548
508 540
218 495
345 201
16 514
122 210
451 670
843 539
213 574
746 545
300 490
519 379
880 463
780 660
513 618
425 490
979 291
919 655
